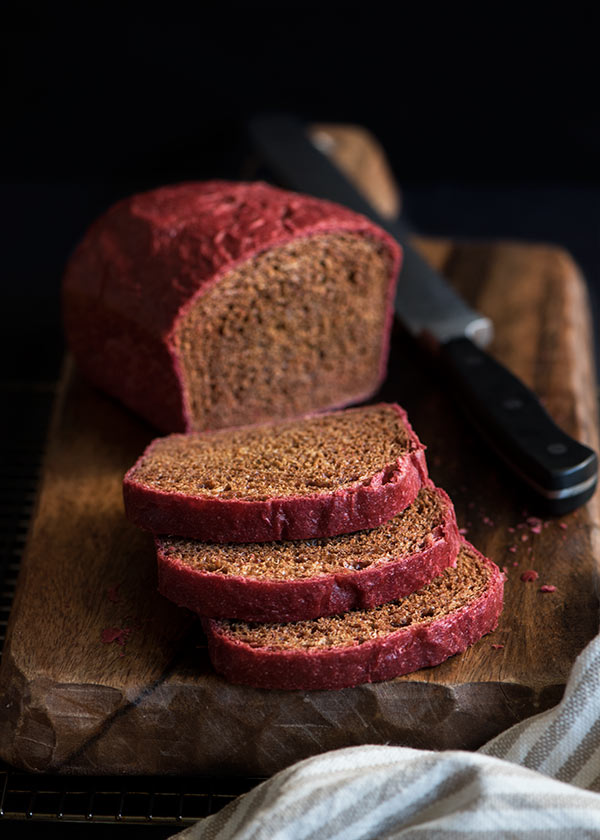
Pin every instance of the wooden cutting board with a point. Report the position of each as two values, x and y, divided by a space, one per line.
71 701
102 675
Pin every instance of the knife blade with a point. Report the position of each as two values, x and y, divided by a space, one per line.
561 472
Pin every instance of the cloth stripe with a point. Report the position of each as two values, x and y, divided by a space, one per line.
573 710
573 763
538 736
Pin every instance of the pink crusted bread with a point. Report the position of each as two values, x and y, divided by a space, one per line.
423 629
303 579
219 304
315 477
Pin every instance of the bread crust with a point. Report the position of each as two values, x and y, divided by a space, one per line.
408 649
149 257
393 488
251 599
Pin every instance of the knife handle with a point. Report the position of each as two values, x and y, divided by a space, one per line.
507 413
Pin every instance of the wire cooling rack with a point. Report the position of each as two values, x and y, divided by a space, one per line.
116 799
135 800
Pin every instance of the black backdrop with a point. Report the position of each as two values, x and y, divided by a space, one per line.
491 122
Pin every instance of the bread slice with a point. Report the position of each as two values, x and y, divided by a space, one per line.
315 477
219 304
420 630
303 579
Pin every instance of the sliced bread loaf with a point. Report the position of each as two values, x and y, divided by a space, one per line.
303 579
314 477
420 630
218 304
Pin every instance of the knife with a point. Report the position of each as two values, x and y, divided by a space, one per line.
561 472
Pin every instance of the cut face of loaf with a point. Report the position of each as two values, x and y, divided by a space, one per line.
211 305
296 328
422 629
315 477
303 579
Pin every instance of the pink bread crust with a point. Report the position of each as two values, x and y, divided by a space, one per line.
407 650
389 491
251 599
146 260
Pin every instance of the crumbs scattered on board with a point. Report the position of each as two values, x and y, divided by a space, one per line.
112 593
116 634
521 538
521 532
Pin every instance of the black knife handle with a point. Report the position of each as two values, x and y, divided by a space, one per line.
511 418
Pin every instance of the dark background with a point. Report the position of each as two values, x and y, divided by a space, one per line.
491 122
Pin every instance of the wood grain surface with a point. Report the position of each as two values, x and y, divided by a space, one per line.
102 675
362 160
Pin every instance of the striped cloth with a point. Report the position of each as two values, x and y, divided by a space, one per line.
539 779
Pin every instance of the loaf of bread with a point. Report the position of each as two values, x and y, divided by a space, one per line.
423 629
314 477
211 305
303 579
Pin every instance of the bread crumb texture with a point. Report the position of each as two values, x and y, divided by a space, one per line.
411 531
307 457
304 323
454 589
